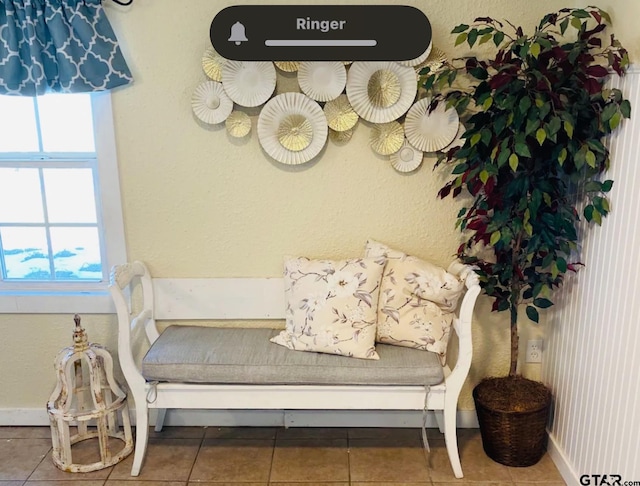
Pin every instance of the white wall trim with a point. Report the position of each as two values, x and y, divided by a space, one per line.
467 419
561 461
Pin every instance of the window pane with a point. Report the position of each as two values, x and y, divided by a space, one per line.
70 196
20 197
25 253
76 253
66 123
18 124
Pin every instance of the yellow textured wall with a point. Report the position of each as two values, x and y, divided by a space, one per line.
198 203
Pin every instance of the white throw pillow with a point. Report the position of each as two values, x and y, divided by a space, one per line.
332 306
417 301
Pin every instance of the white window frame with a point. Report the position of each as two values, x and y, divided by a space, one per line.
62 297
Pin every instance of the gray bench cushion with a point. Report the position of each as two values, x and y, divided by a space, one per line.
192 354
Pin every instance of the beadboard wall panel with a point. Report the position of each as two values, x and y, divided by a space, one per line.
593 344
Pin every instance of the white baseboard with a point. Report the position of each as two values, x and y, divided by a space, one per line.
266 418
561 461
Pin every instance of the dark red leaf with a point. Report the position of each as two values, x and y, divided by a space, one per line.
593 86
444 192
597 16
475 224
499 80
484 19
595 41
597 71
490 185
457 191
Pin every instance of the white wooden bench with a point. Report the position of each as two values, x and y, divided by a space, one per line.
252 387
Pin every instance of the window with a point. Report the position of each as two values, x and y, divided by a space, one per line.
60 214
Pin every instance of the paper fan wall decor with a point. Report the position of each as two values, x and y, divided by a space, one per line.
433 131
249 83
381 92
210 103
293 127
322 81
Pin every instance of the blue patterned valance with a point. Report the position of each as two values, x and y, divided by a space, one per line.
65 46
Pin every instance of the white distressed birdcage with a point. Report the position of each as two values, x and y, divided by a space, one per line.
87 404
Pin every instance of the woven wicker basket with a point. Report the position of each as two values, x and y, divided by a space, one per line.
513 438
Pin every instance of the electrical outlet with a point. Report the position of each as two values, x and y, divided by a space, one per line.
534 351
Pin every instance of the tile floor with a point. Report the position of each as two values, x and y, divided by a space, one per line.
183 456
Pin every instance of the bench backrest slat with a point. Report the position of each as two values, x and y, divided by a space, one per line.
219 298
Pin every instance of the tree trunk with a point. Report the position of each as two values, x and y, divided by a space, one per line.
513 307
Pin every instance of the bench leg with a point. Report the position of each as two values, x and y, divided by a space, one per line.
142 435
451 437
439 420
162 412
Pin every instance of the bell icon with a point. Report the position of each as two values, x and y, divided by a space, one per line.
237 34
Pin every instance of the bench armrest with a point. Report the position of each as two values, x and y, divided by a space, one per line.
462 326
122 279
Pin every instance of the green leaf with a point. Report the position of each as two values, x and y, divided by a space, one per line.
475 138
607 185
472 37
580 14
590 157
525 104
588 212
561 263
542 303
562 156
460 28
541 135
625 108
459 169
513 162
462 212
535 50
563 25
487 103
461 38
532 125
495 237
615 121
522 149
532 313
485 38
576 23
547 198
593 186
484 176
498 37
568 128
503 157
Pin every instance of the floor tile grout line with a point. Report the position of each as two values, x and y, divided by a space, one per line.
195 459
273 455
40 462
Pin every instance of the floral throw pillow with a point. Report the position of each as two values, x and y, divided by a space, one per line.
417 301
332 306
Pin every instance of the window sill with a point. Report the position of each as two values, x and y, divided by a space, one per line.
65 302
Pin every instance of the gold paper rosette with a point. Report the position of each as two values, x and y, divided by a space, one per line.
287 66
341 137
383 88
212 64
295 132
238 124
340 114
387 138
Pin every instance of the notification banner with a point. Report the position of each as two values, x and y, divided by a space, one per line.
320 33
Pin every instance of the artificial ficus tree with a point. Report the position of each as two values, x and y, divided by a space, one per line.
536 116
